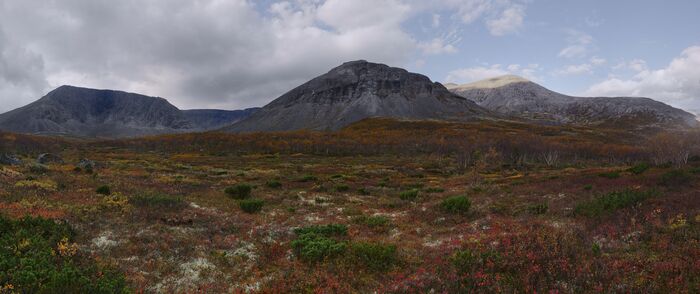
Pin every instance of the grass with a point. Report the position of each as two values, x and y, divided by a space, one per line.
639 168
158 200
675 178
374 221
103 190
409 195
610 175
608 203
274 184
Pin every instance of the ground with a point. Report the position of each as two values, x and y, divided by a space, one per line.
168 226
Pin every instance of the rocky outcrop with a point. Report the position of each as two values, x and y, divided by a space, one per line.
211 119
358 90
48 158
9 159
515 96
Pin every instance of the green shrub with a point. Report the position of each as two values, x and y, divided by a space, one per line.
372 221
240 191
337 176
434 190
456 204
103 190
38 256
325 230
588 187
38 168
639 168
313 247
363 191
695 170
251 205
308 178
316 243
538 209
610 202
373 256
157 200
467 261
610 175
675 178
409 194
273 184
342 188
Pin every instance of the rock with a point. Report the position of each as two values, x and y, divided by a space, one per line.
9 159
86 164
357 90
48 158
518 97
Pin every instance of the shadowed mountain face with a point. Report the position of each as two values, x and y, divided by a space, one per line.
515 96
210 119
82 112
358 90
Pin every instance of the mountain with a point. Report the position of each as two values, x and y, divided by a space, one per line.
210 119
83 112
357 90
516 96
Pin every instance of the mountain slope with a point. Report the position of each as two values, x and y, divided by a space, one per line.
209 119
76 111
357 90
515 96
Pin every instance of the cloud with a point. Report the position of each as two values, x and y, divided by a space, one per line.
510 21
677 84
577 69
437 46
579 44
472 74
207 53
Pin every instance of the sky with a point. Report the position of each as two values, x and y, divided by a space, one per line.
233 54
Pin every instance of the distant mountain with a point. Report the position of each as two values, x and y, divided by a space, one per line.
358 90
83 112
210 119
515 96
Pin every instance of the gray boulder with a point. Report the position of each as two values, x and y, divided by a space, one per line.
86 164
48 158
9 159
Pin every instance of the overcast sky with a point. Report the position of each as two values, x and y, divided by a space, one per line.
232 54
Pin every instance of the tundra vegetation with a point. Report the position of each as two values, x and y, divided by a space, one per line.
381 206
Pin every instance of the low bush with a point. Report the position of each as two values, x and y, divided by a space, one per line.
273 184
103 190
251 205
456 204
639 168
610 202
434 190
38 168
38 256
342 188
317 243
409 195
157 200
240 191
538 209
308 178
372 221
373 256
675 178
610 175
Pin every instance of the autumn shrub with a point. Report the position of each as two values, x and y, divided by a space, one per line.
103 190
317 243
639 168
157 200
342 188
610 202
372 221
409 195
538 209
373 256
434 190
456 204
240 191
610 175
251 205
38 256
675 178
38 168
273 184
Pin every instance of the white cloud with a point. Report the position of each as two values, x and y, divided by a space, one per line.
677 84
437 46
597 61
207 53
576 69
579 45
436 20
472 74
509 21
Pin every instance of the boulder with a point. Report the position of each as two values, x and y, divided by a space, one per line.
86 164
9 159
48 158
